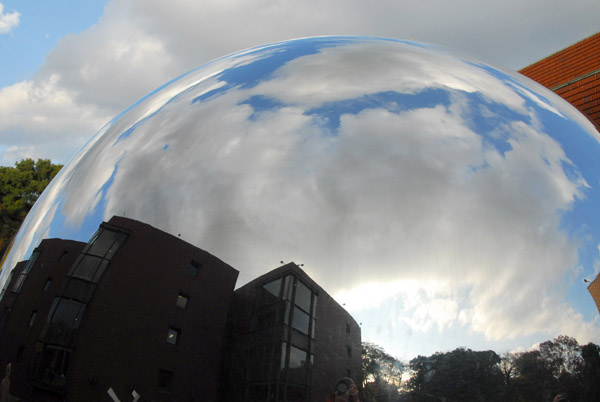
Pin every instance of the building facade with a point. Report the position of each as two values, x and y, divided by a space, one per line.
134 310
289 340
574 74
137 312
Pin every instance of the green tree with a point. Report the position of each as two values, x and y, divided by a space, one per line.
20 187
460 375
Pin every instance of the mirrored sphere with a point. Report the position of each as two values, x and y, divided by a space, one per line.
446 202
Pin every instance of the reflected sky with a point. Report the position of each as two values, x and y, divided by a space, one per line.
446 202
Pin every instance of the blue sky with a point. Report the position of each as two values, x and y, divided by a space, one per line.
41 25
68 67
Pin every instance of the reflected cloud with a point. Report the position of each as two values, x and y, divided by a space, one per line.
450 194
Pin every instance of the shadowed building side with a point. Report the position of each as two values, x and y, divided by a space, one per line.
139 311
288 340
134 309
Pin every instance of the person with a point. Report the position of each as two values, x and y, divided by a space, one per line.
345 391
5 385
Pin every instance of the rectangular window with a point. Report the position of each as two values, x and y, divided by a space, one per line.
31 261
47 284
182 300
193 269
19 283
32 318
303 296
173 336
349 351
300 321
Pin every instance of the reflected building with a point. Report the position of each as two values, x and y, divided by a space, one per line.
138 311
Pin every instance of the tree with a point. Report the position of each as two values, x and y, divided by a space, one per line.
382 374
460 375
20 187
556 367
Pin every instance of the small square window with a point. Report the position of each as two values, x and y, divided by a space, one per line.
182 300
32 318
193 269
165 379
172 336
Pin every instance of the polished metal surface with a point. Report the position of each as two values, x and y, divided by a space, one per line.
373 162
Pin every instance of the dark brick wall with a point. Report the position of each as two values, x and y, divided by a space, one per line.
55 258
122 343
573 73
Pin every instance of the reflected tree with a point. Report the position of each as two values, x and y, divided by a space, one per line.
382 374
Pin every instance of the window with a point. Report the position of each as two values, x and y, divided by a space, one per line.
347 328
172 336
182 300
193 269
47 284
32 318
349 351
165 380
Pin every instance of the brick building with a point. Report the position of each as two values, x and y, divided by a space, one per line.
594 289
574 74
137 311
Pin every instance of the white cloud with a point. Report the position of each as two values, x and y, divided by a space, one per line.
8 20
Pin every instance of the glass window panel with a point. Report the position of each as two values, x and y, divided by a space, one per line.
286 314
297 357
19 283
288 287
32 318
300 321
193 269
86 268
303 296
78 290
182 300
31 261
53 366
100 271
283 354
172 336
273 287
65 321
106 243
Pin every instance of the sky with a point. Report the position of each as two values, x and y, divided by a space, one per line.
69 67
